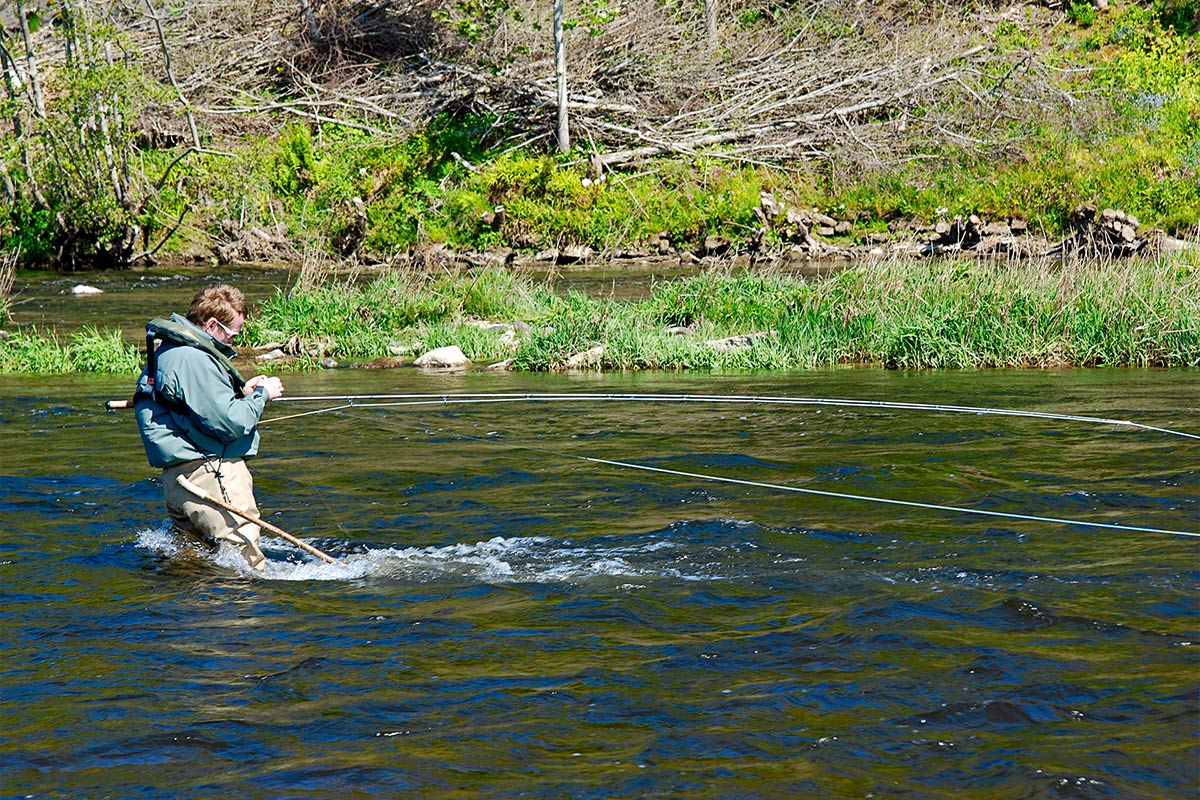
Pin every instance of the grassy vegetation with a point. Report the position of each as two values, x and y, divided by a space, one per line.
86 350
898 314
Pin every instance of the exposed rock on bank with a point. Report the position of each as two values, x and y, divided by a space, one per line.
1107 233
785 234
449 357
790 235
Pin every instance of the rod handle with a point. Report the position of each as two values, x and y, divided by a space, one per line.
115 405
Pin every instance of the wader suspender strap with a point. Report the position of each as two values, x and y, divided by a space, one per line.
151 364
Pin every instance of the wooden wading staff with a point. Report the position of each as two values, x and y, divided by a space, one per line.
255 518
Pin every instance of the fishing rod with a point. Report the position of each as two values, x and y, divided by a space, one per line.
1113 526
250 516
393 400
365 401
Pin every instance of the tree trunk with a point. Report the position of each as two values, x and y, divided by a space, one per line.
35 84
560 69
11 81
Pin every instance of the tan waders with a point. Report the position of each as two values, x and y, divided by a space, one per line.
228 479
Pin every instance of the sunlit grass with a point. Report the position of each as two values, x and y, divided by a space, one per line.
893 314
86 350
897 314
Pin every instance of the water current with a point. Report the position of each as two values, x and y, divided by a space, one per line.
511 620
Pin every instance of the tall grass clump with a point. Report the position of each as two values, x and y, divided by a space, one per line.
495 294
369 319
358 320
577 324
86 350
969 315
723 299
897 314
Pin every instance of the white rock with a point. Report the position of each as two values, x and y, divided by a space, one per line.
83 289
443 357
740 342
586 358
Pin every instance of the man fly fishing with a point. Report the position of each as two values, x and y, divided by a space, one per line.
199 419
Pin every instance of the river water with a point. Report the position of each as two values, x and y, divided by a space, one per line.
512 620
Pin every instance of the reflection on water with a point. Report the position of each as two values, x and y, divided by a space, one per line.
510 620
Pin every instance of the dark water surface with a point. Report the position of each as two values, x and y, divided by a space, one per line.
513 621
128 298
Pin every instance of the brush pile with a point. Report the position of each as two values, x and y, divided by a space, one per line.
839 85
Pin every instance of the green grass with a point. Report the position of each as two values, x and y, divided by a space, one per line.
895 314
392 312
908 315
86 350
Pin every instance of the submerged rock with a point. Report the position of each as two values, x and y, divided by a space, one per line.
383 363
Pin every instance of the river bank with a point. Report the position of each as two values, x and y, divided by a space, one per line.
895 314
892 126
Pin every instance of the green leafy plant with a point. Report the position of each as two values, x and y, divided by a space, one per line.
1082 12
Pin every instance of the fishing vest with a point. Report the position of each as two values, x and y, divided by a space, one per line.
176 333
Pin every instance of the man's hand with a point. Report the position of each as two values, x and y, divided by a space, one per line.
272 385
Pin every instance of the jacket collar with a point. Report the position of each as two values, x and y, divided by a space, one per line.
228 350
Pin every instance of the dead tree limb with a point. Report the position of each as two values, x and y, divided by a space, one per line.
35 83
166 55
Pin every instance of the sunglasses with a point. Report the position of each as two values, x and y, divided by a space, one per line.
228 331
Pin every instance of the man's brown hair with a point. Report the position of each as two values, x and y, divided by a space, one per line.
220 301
